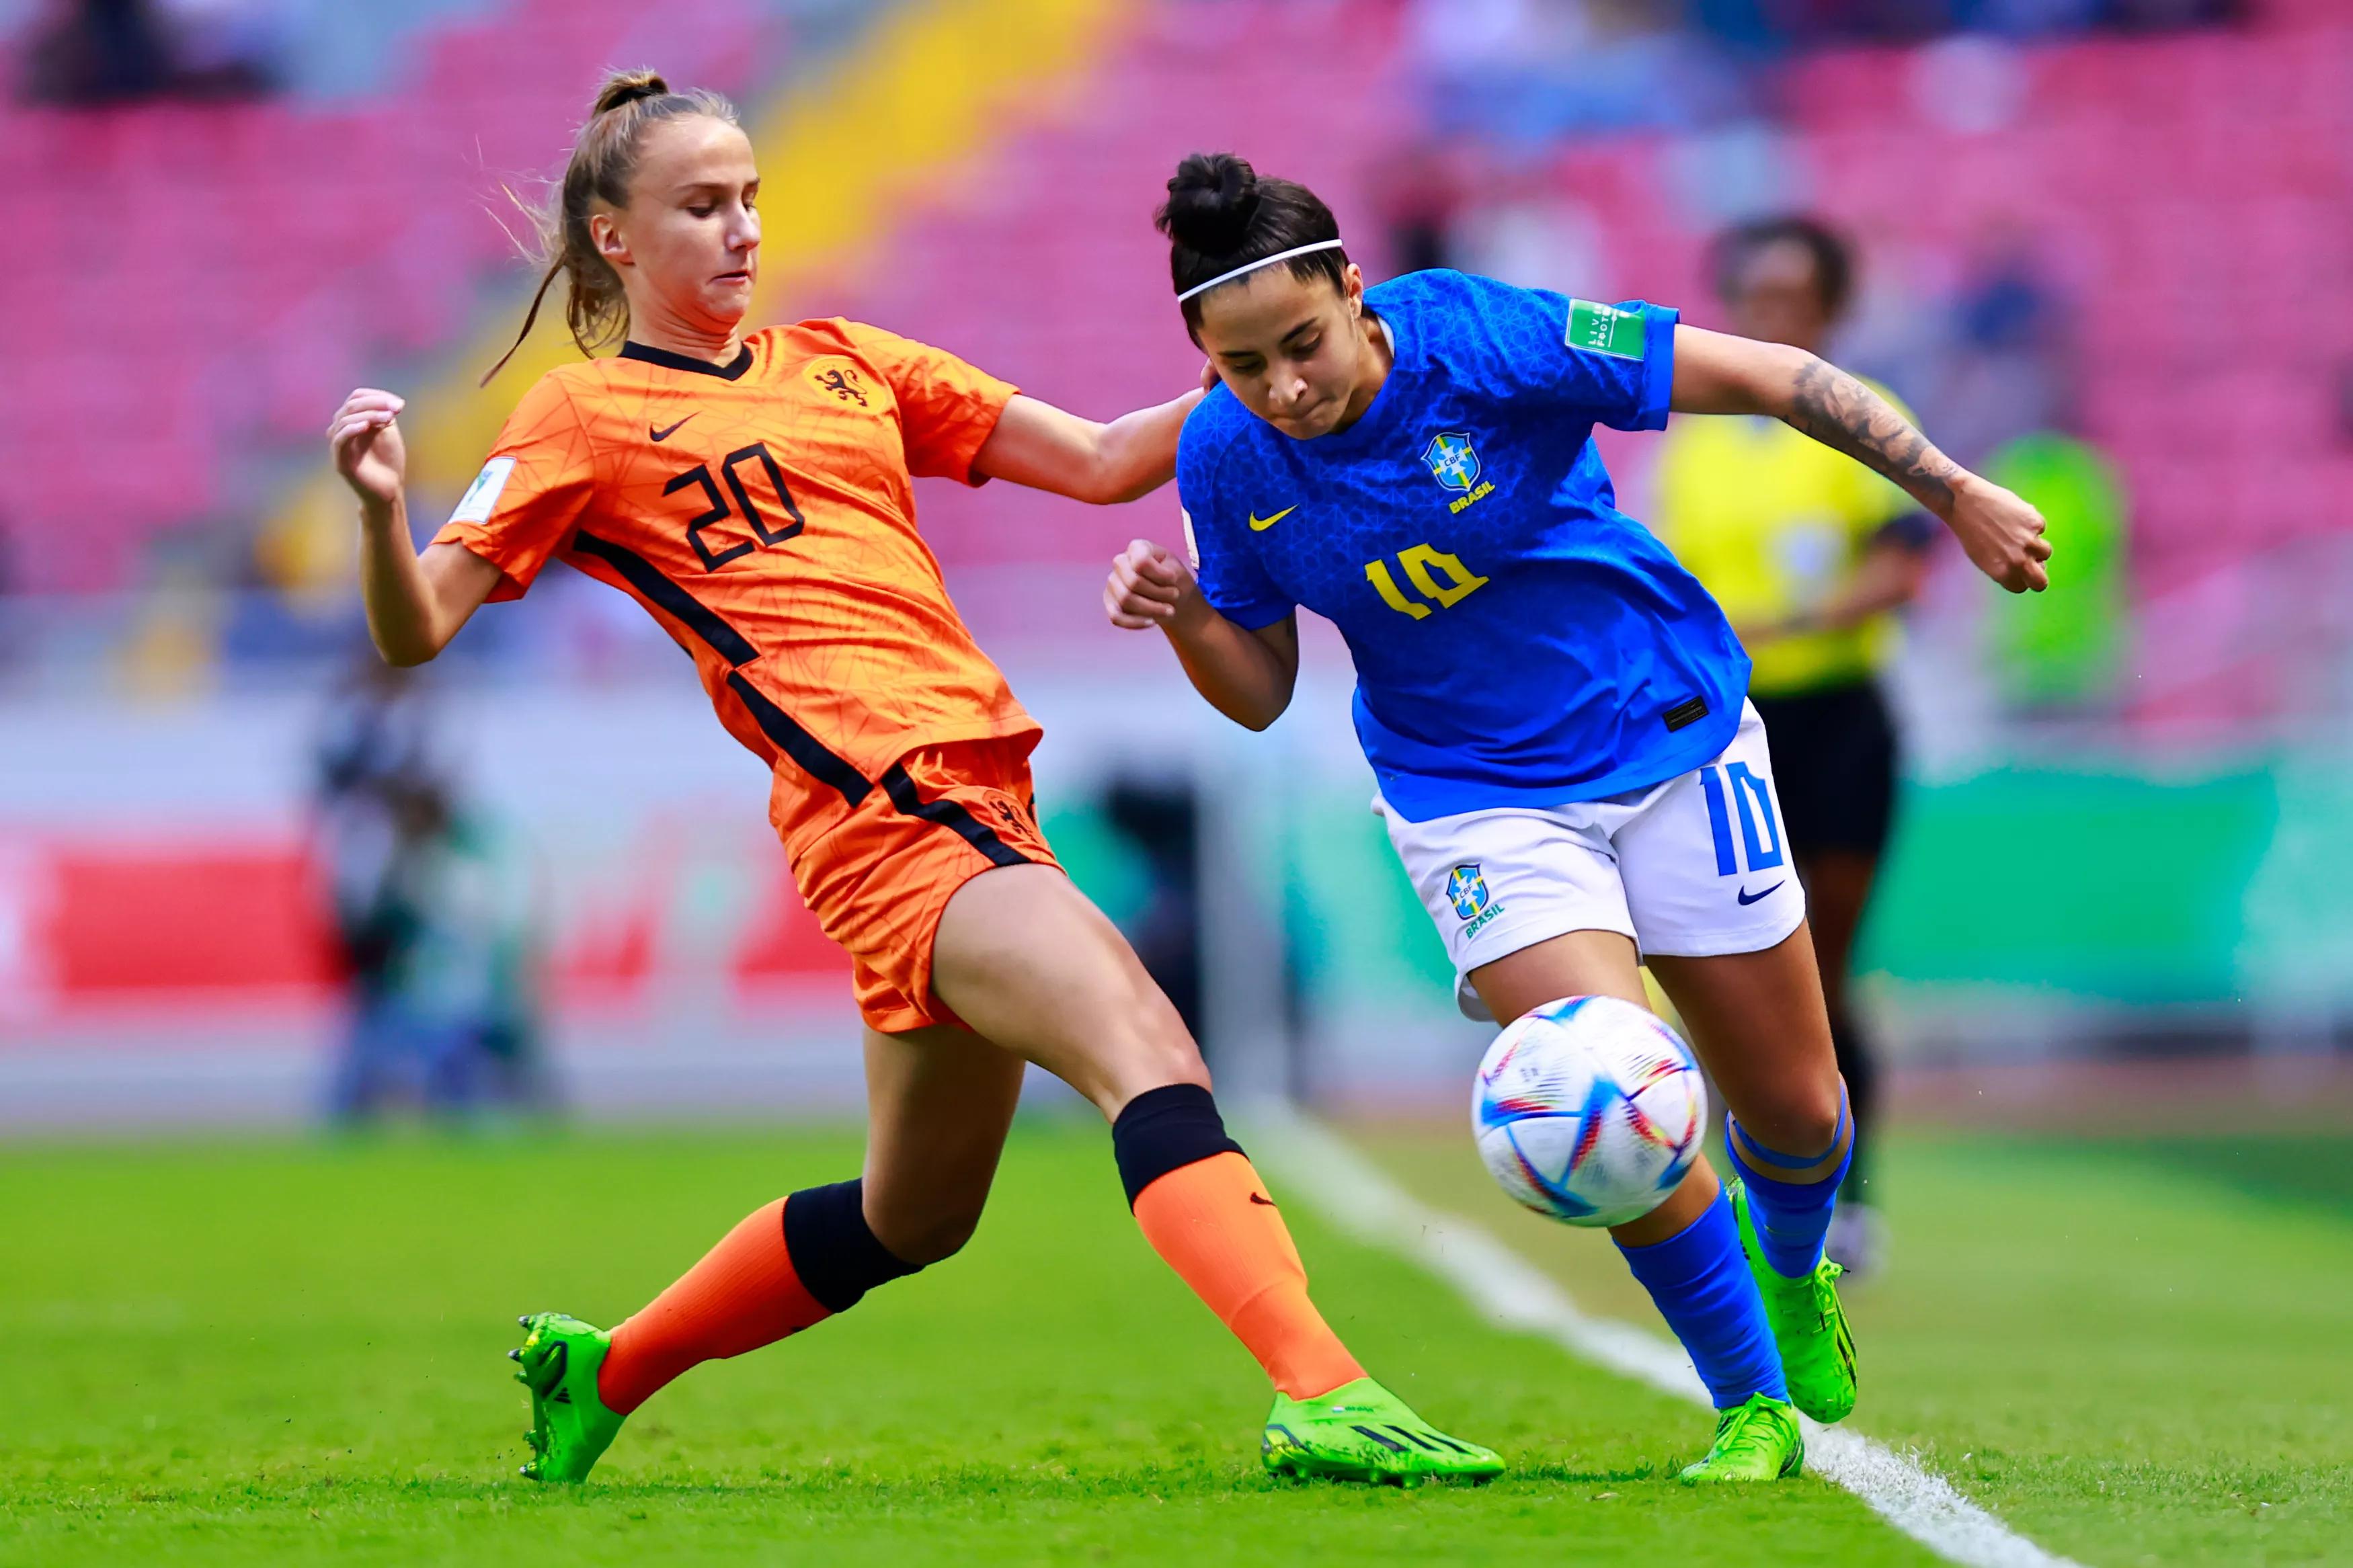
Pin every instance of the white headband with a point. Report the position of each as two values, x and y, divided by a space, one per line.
1250 267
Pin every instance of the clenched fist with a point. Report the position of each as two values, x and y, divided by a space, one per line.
2001 534
1150 586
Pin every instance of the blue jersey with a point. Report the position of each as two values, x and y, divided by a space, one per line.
1518 640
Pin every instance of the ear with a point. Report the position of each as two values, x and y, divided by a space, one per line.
605 233
1352 277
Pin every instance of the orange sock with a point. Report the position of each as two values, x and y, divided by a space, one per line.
743 1294
1212 1222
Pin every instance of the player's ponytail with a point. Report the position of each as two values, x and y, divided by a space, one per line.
604 160
1221 216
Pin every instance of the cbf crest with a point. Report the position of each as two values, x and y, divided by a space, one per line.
1452 460
1466 887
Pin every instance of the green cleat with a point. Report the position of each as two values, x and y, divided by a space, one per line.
1362 1432
1758 1441
570 1426
1809 1325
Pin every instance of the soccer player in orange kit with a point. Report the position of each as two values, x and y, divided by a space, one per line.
752 491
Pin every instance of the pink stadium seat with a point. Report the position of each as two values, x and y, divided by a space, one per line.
250 274
2195 191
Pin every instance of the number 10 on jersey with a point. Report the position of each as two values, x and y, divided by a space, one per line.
1423 567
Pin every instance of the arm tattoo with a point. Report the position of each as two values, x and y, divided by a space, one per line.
1847 416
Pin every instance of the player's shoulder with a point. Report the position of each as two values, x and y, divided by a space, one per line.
792 340
1445 291
572 379
1475 324
562 403
1217 425
791 346
822 335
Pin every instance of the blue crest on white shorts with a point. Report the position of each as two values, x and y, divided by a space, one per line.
1466 889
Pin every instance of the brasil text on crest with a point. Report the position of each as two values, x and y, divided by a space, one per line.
1453 462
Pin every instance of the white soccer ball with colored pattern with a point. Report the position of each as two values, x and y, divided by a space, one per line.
1589 1110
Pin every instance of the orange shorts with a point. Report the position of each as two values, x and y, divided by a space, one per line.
879 874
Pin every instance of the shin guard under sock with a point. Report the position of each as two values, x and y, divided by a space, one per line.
1201 1205
1700 1280
1791 1217
787 1266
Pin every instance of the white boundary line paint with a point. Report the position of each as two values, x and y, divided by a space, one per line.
1515 1294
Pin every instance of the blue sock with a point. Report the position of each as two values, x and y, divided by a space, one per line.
1792 1217
1700 1280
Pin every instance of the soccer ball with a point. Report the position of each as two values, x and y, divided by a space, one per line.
1589 1110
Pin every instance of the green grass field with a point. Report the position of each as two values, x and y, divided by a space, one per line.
232 1353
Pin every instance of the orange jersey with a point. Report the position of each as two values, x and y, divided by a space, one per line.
763 512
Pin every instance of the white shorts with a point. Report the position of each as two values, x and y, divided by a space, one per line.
1690 868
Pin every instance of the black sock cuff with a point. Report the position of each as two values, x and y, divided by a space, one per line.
1164 1130
833 1250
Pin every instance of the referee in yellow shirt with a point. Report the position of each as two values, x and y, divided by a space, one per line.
1809 553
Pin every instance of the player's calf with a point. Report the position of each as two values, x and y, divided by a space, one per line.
787 1267
1784 1201
1202 1205
1703 1287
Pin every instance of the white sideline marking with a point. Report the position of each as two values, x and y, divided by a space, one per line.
1515 1294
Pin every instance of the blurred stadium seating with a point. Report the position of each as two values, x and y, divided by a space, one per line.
211 276
196 283
2190 193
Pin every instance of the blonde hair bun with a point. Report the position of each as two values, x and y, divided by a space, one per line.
627 86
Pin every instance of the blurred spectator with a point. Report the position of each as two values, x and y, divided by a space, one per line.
1527 230
1526 71
12 630
2008 363
223 49
1418 191
97 51
2067 646
433 910
91 52
1809 553
1812 22
1162 822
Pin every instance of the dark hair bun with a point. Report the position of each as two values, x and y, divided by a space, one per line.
1211 199
627 86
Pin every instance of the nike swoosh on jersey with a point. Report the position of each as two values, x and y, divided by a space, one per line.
1748 898
1261 524
665 435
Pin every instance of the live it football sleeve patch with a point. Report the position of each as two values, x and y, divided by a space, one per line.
1604 329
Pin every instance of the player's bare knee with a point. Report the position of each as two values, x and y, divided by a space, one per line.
1166 1052
1149 1046
931 1231
1795 1121
937 1239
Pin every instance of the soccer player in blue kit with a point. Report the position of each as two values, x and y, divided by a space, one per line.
1555 710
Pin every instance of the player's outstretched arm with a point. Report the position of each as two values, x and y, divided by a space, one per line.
1246 675
1047 448
414 602
1718 373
